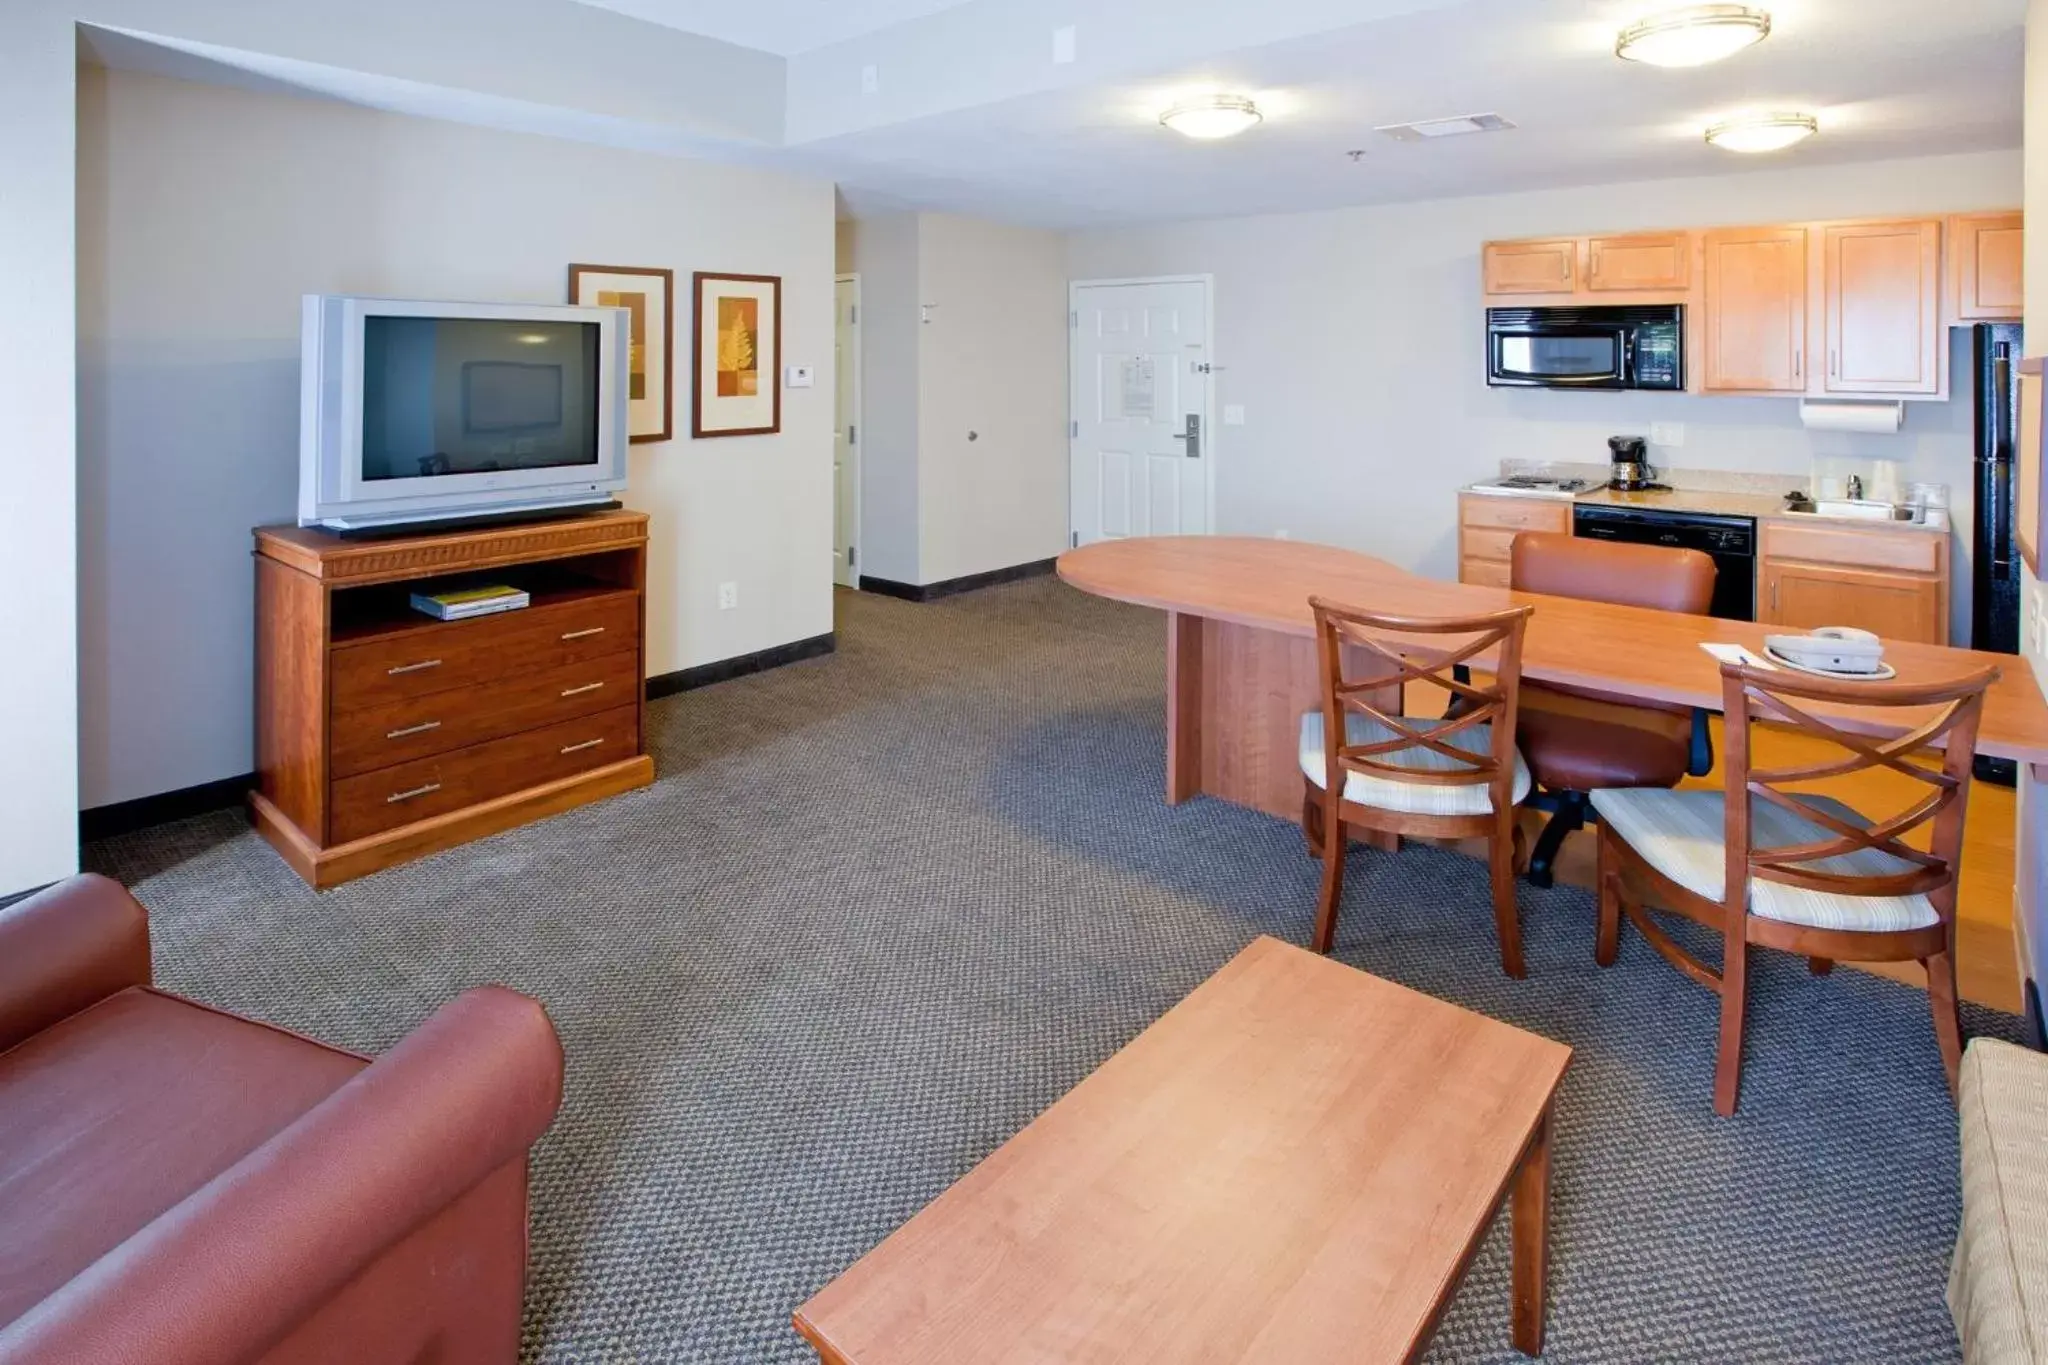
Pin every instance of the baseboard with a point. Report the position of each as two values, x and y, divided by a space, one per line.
668 684
125 817
926 592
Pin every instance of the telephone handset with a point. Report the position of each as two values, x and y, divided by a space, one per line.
1831 649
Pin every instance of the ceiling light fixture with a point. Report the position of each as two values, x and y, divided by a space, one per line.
1762 132
1693 36
1212 116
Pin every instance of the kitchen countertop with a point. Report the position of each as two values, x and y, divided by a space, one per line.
1762 506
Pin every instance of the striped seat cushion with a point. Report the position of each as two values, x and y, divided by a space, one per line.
1680 833
1411 798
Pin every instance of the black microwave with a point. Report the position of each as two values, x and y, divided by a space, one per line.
1586 348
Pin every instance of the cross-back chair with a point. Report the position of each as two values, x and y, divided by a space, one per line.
1456 777
1799 871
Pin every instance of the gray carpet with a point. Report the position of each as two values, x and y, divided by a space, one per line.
882 908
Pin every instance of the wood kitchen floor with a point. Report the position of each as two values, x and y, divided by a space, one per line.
1987 965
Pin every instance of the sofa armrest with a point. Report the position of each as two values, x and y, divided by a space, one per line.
226 1273
65 948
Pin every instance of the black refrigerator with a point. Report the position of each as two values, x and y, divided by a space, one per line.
1994 561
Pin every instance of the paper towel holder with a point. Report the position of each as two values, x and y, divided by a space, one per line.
1863 415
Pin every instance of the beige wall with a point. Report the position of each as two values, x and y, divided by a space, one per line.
206 212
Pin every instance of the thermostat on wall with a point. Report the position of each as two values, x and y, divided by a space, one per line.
797 376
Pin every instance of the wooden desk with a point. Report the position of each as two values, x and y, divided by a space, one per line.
1293 1167
1240 656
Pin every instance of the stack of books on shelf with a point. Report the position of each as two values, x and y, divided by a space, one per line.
460 603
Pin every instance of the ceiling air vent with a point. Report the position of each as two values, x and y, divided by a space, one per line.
1430 129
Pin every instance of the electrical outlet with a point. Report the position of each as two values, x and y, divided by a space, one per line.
870 80
1233 414
728 596
1671 434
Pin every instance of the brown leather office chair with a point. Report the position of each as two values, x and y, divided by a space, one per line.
1578 741
182 1186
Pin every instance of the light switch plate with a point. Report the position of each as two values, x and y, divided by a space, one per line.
1233 414
797 377
1063 45
1670 434
870 79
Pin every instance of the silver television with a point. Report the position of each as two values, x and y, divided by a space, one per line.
414 413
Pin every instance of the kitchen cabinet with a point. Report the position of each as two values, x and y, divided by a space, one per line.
1541 267
1645 261
1754 330
1488 525
1892 582
1984 252
1882 309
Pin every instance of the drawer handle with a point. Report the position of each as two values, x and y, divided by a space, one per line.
586 744
582 634
397 797
587 687
413 668
419 729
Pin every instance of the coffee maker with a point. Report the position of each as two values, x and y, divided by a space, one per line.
1630 472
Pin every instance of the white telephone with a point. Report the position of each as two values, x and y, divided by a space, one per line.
1831 649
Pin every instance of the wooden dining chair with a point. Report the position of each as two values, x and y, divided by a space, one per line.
1776 868
1454 777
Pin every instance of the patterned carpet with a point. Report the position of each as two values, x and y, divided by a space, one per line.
883 907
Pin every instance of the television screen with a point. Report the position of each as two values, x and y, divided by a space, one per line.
477 395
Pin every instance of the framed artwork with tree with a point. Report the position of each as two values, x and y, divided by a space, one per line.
738 355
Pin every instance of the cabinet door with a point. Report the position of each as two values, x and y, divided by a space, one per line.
1895 606
1547 267
1883 307
1755 304
1984 267
1660 261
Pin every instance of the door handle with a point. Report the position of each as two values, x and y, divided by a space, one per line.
1193 436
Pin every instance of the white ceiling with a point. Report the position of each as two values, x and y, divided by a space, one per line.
784 27
973 116
1888 78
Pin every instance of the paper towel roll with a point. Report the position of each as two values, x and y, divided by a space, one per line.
1829 415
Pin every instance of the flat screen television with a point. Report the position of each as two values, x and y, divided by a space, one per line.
415 413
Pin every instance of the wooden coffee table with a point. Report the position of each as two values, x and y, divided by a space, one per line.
1295 1165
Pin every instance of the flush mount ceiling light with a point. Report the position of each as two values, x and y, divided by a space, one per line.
1762 132
1693 36
1208 117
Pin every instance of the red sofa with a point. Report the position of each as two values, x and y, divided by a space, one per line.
182 1186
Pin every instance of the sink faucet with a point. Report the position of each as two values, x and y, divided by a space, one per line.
1855 488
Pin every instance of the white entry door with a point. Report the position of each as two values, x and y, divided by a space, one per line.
846 433
1140 410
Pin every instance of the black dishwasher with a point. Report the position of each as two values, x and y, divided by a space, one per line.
1730 540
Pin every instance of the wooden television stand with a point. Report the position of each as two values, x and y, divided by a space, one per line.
383 735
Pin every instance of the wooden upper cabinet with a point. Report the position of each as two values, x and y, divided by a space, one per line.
1639 263
1546 267
1984 251
1754 336
1883 299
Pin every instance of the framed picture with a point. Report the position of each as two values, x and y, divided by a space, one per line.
649 295
738 330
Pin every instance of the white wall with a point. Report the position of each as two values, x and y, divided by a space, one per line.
993 362
204 213
1354 341
882 250
963 332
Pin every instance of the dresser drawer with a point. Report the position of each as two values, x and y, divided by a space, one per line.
1913 551
373 802
1485 543
370 737
442 656
1515 514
